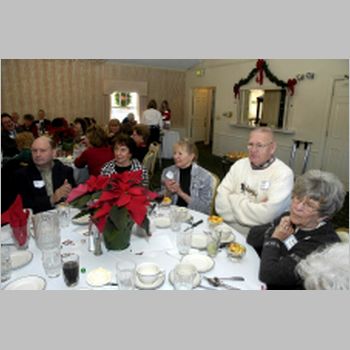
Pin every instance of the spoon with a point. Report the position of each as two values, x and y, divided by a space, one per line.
214 281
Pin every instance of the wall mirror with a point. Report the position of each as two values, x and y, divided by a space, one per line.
264 107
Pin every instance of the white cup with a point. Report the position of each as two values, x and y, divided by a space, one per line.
125 274
184 241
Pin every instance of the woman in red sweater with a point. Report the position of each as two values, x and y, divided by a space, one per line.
98 152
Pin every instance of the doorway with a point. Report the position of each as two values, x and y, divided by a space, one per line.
202 115
336 151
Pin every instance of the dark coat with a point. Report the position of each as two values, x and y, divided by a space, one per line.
277 265
37 198
8 145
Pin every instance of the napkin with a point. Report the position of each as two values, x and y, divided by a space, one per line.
17 217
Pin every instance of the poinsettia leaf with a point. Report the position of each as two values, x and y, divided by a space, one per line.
146 226
107 196
81 202
123 200
77 192
103 211
137 212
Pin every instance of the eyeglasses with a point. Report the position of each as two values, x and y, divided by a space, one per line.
309 205
258 146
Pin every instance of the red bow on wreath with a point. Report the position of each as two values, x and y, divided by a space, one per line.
290 84
260 66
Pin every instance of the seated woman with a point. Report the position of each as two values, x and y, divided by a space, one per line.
317 196
140 135
98 153
113 129
186 182
124 150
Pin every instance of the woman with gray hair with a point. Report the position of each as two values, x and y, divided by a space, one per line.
326 269
316 197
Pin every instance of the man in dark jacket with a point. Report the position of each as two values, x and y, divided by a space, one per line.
46 181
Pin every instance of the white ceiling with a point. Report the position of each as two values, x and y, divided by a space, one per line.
181 64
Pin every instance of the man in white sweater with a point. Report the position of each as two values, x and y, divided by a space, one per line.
256 189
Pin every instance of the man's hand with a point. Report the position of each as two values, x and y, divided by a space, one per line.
61 192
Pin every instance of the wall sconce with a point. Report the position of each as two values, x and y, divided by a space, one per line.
227 114
310 75
300 77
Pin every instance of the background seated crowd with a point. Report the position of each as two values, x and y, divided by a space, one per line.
287 219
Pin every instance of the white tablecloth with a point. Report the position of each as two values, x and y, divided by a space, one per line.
169 138
159 248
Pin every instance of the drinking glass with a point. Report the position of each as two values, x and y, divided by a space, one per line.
213 242
126 274
21 236
184 275
175 219
51 259
184 241
70 267
63 211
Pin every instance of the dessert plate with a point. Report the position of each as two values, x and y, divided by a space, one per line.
156 284
83 220
31 282
199 240
203 263
20 258
196 281
99 277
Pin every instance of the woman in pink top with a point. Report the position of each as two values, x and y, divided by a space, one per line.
98 153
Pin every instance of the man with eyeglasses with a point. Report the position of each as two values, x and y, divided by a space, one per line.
256 189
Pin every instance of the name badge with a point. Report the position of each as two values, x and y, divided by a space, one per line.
38 183
290 242
264 185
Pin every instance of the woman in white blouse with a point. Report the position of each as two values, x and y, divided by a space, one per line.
153 118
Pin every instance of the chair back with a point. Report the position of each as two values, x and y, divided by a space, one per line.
216 182
149 161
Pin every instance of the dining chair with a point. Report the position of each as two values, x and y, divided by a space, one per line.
150 159
216 182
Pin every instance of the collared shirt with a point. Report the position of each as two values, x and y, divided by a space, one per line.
46 174
264 165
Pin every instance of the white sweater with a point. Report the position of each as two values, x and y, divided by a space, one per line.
248 197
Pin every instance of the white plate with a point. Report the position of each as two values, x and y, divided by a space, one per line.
203 263
31 282
162 221
99 277
83 220
196 282
20 258
156 284
199 240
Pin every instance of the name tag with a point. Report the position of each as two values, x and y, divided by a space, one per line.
264 185
38 183
290 242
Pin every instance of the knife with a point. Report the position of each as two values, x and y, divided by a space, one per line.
194 225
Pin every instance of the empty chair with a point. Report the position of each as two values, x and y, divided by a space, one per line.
149 161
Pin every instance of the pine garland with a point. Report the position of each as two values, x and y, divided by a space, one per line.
262 67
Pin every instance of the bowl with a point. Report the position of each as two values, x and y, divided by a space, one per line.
148 272
236 250
214 221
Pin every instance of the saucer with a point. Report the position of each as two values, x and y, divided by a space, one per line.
196 282
99 277
203 263
31 282
199 240
83 220
156 284
20 258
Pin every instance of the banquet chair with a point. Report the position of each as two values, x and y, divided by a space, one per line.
150 159
216 182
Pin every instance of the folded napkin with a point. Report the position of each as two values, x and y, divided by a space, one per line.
17 217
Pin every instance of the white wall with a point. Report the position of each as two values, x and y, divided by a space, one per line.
308 108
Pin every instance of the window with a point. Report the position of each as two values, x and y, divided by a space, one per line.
123 103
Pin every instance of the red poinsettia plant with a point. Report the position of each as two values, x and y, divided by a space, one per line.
115 202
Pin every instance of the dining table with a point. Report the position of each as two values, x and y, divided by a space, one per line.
160 248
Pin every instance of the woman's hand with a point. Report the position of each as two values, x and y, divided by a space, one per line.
284 229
